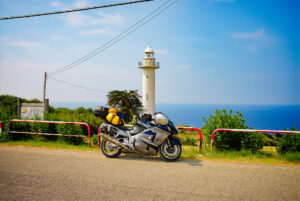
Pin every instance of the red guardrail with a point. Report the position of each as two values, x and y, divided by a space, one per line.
200 134
0 127
52 122
248 130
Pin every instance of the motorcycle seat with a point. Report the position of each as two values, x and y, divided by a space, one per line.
126 128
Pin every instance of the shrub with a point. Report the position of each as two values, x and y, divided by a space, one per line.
95 140
288 143
231 140
269 140
70 129
5 116
252 141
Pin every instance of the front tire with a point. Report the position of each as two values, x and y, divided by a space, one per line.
170 152
110 150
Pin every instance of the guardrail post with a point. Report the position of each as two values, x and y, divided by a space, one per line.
200 135
89 134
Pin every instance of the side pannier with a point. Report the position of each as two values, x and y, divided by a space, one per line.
101 112
146 117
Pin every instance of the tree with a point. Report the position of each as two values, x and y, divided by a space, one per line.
128 103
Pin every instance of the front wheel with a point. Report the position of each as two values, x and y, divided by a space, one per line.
110 150
170 149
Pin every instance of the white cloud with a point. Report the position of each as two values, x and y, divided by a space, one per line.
56 4
253 41
80 19
260 33
28 45
75 19
76 4
115 19
81 4
100 31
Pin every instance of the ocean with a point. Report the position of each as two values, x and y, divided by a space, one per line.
273 117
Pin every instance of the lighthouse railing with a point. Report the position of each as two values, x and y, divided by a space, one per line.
148 63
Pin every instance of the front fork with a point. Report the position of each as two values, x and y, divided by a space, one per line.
168 141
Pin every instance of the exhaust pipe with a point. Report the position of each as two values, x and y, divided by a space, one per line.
108 138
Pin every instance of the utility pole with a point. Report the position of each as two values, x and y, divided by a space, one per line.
45 101
45 78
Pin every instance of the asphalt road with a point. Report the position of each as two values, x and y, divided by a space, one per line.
43 174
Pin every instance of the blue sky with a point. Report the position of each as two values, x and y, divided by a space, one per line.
210 51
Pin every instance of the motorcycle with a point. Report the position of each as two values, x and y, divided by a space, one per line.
151 136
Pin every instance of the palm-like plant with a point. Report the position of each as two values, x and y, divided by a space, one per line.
128 103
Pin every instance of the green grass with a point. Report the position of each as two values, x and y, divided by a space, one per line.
190 152
51 145
293 157
267 155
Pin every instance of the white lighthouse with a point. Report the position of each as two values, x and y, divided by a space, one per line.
149 66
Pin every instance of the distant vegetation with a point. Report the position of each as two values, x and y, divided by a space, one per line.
11 102
230 142
8 111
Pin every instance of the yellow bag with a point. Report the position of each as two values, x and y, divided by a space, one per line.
113 110
113 118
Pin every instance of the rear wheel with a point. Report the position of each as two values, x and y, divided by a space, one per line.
170 151
110 150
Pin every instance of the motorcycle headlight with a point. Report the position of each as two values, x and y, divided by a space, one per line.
161 119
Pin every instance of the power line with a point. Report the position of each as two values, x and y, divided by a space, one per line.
102 46
78 86
72 10
115 39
